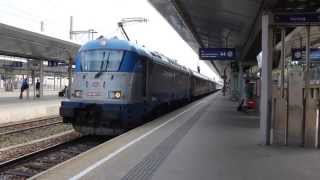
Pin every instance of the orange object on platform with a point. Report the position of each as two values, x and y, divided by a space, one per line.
251 104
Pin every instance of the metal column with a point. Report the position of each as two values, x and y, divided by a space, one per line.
60 82
33 83
266 79
54 81
69 77
240 81
224 81
28 68
41 78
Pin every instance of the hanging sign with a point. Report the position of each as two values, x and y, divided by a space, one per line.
299 54
217 54
297 18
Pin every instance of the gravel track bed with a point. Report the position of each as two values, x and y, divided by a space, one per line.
17 151
33 134
44 160
24 125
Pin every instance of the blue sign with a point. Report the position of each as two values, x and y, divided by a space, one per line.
297 18
217 53
299 54
17 64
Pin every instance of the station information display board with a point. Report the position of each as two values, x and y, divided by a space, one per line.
217 54
311 18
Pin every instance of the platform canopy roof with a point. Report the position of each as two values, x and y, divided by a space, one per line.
26 44
224 23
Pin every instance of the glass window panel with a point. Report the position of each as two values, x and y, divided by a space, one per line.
101 60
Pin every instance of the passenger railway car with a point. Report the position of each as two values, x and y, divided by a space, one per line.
117 84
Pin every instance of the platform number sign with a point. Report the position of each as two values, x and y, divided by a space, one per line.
297 54
217 54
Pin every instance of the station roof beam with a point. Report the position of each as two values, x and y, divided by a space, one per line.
26 44
207 23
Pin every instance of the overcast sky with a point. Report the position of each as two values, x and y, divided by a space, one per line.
102 16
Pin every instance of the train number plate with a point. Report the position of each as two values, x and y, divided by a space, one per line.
93 94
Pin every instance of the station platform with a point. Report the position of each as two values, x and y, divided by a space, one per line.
13 109
16 92
207 139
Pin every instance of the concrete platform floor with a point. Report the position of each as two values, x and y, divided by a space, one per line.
15 100
208 139
13 109
13 96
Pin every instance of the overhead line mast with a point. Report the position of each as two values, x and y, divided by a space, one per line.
72 32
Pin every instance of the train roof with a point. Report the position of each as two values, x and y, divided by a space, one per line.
113 43
194 73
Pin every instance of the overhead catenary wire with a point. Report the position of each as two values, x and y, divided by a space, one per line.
23 14
15 16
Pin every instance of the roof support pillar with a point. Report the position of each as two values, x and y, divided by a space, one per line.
266 79
240 81
28 73
33 74
54 81
224 81
60 82
69 77
41 79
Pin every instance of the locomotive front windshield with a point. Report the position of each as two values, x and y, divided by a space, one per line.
100 60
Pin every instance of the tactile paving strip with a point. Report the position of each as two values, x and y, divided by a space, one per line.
145 169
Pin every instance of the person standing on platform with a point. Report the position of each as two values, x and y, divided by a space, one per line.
38 88
63 92
24 87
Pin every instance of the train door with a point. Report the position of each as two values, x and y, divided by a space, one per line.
146 79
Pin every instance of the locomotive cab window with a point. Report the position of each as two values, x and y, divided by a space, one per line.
100 60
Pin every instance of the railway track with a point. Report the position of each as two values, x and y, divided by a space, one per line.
31 164
29 125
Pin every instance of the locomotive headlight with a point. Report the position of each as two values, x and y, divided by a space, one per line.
77 93
115 94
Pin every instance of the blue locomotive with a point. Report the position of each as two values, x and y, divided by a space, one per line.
117 84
